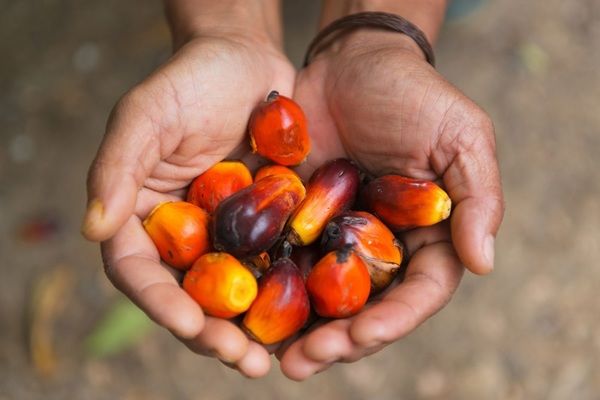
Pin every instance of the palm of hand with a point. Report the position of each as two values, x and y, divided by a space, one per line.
199 103
383 109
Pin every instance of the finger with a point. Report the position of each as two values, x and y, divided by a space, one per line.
472 179
130 150
433 275
319 349
285 345
219 338
417 238
256 362
296 365
133 265
330 342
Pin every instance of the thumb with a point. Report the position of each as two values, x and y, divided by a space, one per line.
129 151
473 182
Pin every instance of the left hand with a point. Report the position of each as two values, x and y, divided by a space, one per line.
375 100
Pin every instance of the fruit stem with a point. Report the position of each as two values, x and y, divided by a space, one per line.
333 231
341 256
286 249
273 94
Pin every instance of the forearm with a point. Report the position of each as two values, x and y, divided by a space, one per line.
428 15
259 19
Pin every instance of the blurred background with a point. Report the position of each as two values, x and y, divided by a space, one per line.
531 330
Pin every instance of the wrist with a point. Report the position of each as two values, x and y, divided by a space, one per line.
428 15
369 32
369 39
257 20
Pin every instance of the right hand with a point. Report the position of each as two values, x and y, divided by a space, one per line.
374 99
189 114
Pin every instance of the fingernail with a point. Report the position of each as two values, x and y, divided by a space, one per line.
488 251
93 215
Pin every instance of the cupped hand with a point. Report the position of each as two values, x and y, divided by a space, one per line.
189 114
375 100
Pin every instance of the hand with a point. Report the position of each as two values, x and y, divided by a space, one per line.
189 114
375 100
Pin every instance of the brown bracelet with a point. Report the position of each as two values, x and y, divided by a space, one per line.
371 19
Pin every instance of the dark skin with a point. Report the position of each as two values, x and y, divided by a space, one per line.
371 97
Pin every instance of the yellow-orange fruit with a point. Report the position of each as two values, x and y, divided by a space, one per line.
339 285
331 189
278 130
281 307
404 203
250 221
371 239
221 285
179 231
273 169
217 183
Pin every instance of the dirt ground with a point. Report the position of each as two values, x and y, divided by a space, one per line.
531 330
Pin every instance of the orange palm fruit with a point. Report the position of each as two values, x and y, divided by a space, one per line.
221 285
281 307
180 232
250 221
273 169
404 203
331 189
278 130
339 284
217 183
371 239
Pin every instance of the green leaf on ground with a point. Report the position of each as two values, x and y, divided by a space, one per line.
123 325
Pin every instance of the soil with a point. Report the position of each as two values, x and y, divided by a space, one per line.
528 331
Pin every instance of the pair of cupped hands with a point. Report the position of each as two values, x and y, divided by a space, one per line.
371 98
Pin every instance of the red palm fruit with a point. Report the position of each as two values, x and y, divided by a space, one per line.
179 231
217 183
221 285
339 285
371 239
273 169
278 130
331 190
281 307
404 203
250 221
